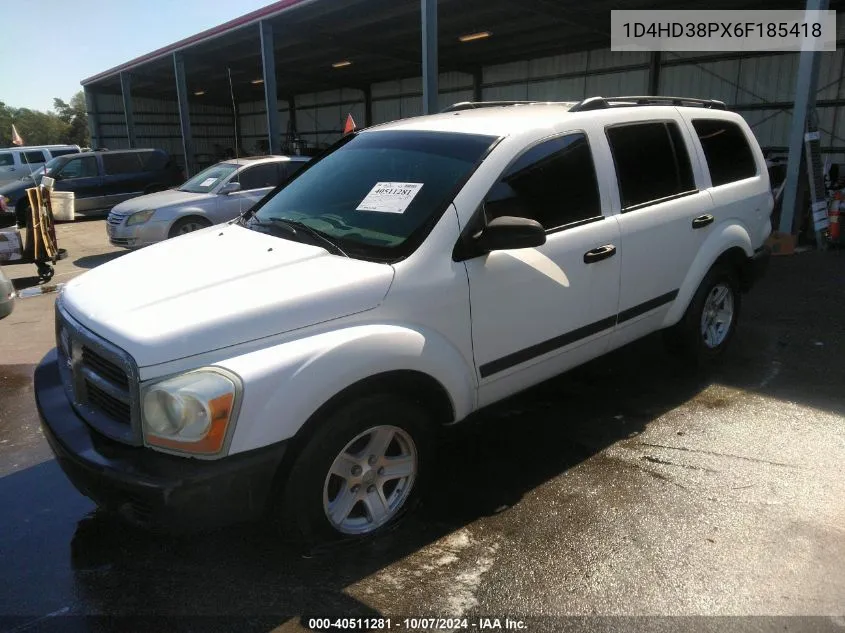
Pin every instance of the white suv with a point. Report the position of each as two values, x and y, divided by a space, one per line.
300 358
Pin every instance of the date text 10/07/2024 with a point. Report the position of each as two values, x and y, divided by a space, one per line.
416 624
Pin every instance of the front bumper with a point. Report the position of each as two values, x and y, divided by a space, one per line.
139 235
150 489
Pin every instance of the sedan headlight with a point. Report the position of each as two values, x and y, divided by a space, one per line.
140 217
191 413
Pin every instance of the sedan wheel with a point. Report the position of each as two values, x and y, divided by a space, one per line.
717 315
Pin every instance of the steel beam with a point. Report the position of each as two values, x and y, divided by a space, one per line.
93 117
805 101
126 93
368 105
271 99
477 81
654 74
184 114
430 70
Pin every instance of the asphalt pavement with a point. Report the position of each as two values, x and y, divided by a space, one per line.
630 494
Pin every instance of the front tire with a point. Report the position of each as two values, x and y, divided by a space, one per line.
358 473
709 323
188 225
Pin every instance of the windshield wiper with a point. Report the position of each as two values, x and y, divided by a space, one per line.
293 227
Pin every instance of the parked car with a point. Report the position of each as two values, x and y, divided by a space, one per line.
7 295
99 180
17 162
219 193
300 358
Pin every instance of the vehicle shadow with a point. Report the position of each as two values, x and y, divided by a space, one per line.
248 580
483 468
92 261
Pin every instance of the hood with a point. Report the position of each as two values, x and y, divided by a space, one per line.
14 189
219 287
159 200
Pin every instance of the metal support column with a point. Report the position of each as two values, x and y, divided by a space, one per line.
654 74
477 93
126 92
368 106
271 100
430 71
184 114
805 102
93 117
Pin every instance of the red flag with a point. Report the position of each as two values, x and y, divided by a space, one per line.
349 126
16 138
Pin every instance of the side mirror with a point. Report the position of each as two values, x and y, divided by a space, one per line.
508 232
229 187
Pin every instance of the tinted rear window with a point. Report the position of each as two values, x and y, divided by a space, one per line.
63 152
729 157
35 157
116 163
6 160
154 160
652 162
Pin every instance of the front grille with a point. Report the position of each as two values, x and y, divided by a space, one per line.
101 380
120 241
104 367
111 406
115 219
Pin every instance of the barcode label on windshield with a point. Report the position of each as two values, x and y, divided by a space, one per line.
390 197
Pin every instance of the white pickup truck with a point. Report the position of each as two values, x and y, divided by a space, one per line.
296 362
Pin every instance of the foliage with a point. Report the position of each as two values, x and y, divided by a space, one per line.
67 124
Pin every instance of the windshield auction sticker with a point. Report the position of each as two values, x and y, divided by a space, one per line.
208 182
390 197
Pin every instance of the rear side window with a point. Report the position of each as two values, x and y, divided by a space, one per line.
290 168
729 158
32 158
154 160
652 162
63 152
7 160
116 163
258 177
553 183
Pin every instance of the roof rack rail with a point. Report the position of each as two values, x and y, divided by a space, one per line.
602 103
471 105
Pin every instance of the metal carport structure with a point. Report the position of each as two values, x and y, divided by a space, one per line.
297 67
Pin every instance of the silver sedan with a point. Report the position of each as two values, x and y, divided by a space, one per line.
217 194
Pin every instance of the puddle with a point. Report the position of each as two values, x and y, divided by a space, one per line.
37 291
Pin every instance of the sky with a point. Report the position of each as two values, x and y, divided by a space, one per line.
67 42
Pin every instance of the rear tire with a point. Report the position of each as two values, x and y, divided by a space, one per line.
188 225
357 474
709 323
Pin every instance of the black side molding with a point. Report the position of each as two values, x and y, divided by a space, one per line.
528 353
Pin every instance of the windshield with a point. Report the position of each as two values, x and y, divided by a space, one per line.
375 193
209 178
48 167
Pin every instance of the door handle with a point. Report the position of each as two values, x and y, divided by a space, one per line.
600 253
703 220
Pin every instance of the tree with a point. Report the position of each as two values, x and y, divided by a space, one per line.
75 116
68 124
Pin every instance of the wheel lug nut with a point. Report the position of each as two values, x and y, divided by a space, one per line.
354 490
371 489
372 460
381 470
356 471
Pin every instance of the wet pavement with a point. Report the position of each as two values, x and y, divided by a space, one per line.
629 487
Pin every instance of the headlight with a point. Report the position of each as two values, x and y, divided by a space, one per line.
192 412
4 203
140 217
